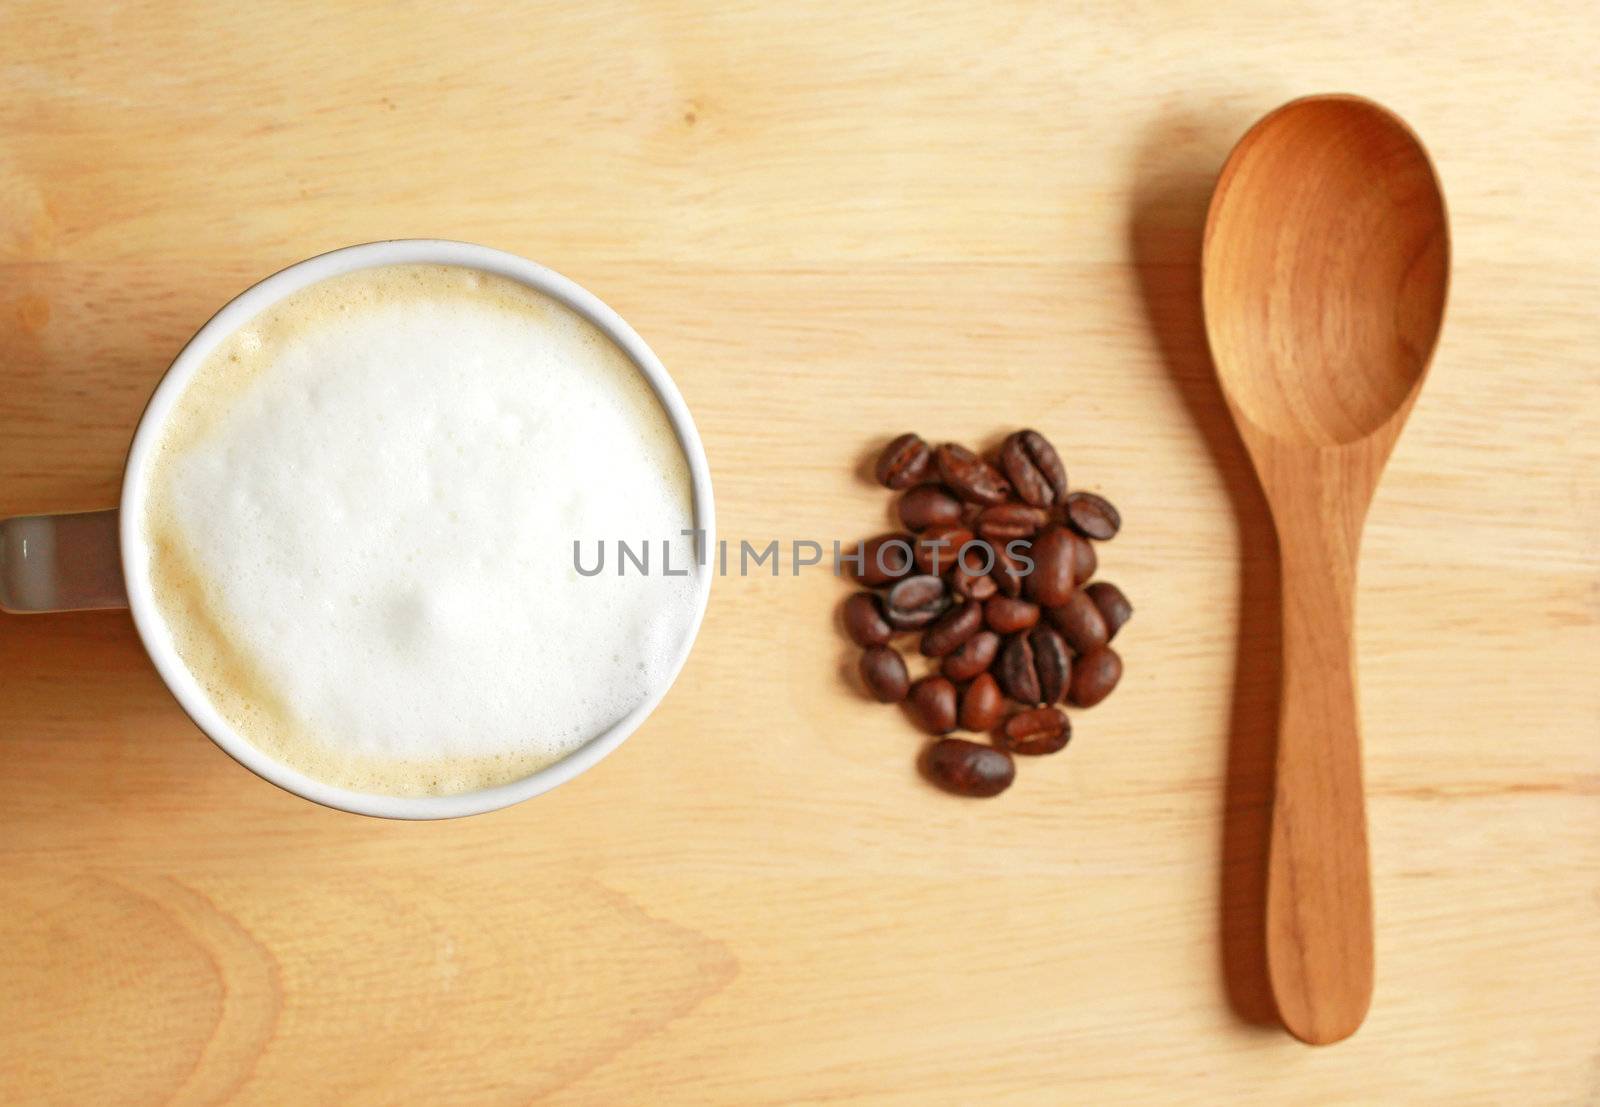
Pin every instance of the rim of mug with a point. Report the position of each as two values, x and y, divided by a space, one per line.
246 306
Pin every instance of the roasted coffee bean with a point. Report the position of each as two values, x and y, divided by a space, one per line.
982 705
972 657
915 602
1034 468
1013 612
1007 616
1084 560
1080 623
971 477
938 547
1003 522
1113 605
932 703
929 505
973 587
864 621
1094 676
884 558
1053 576
1092 516
904 462
1015 671
1037 731
884 672
1010 570
968 768
1035 666
952 629
1052 661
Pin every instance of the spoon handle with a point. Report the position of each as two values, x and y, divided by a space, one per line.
1319 896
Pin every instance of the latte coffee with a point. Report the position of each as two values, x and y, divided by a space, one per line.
361 521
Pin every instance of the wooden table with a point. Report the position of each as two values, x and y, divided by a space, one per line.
832 225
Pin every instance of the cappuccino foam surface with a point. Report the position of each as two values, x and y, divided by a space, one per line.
360 526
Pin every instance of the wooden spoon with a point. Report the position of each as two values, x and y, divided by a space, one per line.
1324 271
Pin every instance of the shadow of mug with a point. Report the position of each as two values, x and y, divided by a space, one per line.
1173 186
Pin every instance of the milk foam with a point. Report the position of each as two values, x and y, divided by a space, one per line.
361 520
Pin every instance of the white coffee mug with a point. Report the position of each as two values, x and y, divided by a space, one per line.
96 560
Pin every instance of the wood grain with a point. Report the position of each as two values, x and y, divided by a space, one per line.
833 225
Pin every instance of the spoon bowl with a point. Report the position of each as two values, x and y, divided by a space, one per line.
1324 273
1326 267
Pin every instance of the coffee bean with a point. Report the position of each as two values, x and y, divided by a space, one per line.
1037 731
938 547
1012 614
864 621
904 462
972 657
1052 660
1092 516
884 672
973 587
1084 560
1094 676
915 602
971 477
1052 579
1035 666
1034 468
929 505
1113 605
1004 522
884 558
932 703
1009 570
1080 623
1007 616
968 768
982 705
952 629
1016 672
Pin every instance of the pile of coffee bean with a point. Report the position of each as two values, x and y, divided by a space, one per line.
994 571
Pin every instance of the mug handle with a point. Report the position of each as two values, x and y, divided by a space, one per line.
69 562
